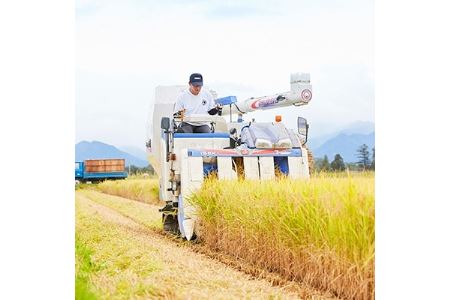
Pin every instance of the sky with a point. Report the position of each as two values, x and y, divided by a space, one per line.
124 49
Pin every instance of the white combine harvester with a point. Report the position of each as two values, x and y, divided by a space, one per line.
233 149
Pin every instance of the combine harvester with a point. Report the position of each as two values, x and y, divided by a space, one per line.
249 150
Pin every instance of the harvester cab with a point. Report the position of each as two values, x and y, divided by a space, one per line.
233 149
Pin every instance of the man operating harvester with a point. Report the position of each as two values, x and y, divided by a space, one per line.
195 101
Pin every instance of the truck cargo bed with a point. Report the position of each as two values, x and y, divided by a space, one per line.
104 165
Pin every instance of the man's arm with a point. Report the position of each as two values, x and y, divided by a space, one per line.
178 104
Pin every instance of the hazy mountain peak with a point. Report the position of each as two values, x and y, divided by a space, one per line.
357 127
346 145
99 150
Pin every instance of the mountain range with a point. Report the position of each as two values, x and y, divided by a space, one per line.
345 141
98 150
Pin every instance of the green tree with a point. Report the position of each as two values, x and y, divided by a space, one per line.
363 156
325 165
317 163
338 163
134 170
372 165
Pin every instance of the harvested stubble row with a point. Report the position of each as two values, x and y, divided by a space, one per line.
144 190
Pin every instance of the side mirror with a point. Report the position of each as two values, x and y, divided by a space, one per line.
303 127
165 123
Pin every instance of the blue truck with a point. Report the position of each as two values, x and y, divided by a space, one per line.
94 170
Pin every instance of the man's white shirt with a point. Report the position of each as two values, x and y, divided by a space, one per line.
195 104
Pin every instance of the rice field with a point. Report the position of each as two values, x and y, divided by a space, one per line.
320 232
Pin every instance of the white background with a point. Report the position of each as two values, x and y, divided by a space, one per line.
37 124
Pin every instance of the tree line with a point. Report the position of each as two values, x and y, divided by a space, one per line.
133 170
366 161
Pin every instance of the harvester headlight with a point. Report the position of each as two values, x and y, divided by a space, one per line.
263 144
284 143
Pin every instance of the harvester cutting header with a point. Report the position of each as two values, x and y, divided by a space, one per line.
192 140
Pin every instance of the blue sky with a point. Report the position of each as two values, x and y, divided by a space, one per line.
243 48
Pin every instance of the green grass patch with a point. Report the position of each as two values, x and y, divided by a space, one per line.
84 267
112 262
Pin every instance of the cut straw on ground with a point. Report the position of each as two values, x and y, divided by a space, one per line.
128 261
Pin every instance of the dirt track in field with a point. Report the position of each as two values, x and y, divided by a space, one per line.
186 272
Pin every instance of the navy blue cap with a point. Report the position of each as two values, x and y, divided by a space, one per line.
196 79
